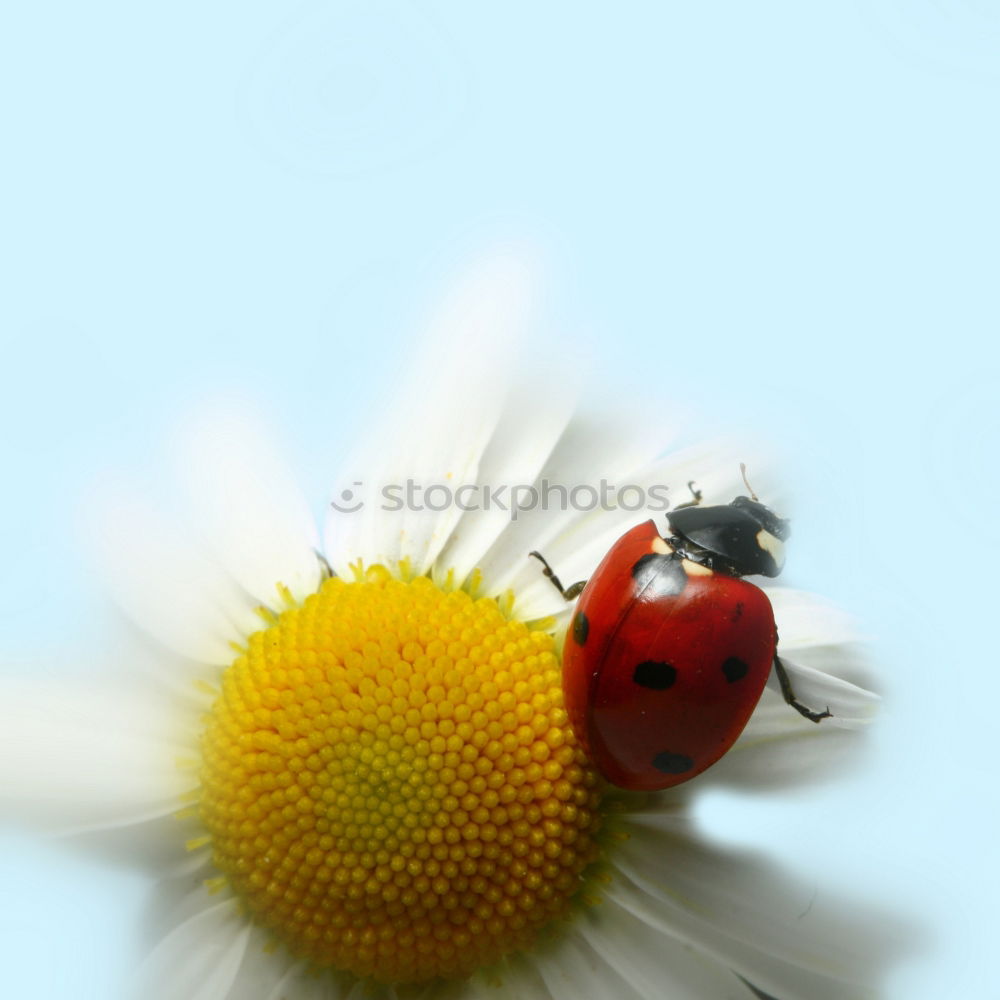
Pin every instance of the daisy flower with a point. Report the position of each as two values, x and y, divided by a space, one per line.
349 763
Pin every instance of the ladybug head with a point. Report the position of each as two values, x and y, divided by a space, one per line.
741 538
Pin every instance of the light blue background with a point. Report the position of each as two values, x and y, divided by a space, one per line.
786 212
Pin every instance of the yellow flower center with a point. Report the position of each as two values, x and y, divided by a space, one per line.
391 784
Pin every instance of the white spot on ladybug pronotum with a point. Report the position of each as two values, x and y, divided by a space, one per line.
772 546
660 546
695 569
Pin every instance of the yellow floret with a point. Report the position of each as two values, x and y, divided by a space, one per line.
391 783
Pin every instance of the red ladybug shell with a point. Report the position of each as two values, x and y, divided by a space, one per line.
664 662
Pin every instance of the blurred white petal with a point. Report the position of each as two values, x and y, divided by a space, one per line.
438 425
77 755
787 939
200 959
246 502
806 619
162 581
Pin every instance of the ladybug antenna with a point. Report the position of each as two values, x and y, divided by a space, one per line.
743 473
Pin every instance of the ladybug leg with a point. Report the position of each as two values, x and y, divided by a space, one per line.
789 695
569 593
695 493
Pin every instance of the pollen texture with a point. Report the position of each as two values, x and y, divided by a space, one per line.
391 784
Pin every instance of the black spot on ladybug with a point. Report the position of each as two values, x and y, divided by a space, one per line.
653 674
660 575
737 612
581 627
672 763
735 669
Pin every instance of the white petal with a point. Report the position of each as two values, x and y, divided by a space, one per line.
175 900
247 504
779 749
363 990
576 971
296 983
851 706
264 971
161 581
514 978
806 619
536 416
299 981
817 642
82 756
786 939
850 661
590 449
436 432
141 662
654 963
200 958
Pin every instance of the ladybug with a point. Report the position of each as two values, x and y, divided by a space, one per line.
669 648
